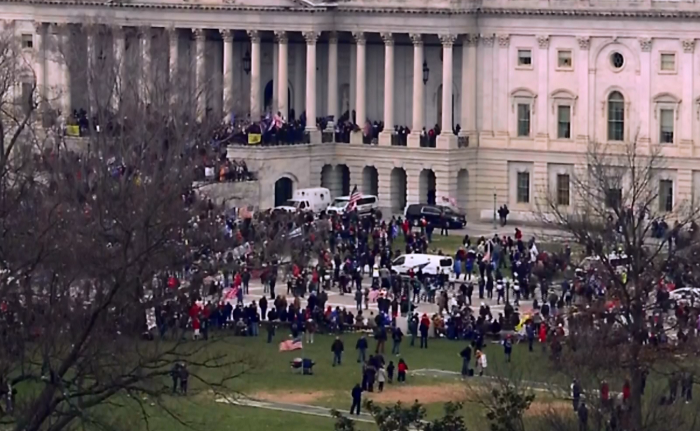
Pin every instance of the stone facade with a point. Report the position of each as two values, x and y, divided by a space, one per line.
530 82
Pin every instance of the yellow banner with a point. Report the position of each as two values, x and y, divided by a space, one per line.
254 138
73 130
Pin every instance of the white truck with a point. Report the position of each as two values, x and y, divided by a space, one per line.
314 199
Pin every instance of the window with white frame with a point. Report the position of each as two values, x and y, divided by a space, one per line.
666 195
563 189
522 191
564 59
616 117
27 41
668 62
666 120
524 57
564 122
613 198
524 119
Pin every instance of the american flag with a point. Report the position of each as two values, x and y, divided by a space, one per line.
354 198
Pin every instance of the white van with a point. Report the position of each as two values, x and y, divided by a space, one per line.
365 205
314 199
430 263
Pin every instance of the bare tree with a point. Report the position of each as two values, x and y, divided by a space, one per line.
86 228
621 201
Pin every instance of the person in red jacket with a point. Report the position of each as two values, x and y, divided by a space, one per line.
543 336
626 392
402 371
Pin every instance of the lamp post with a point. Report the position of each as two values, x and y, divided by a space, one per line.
246 62
494 209
426 72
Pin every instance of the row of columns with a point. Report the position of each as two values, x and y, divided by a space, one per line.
446 138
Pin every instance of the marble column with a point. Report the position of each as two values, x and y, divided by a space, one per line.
274 103
283 74
254 74
487 114
54 67
501 100
228 71
360 113
644 88
40 62
91 34
311 128
447 138
418 92
66 99
173 64
385 136
469 85
540 112
332 79
146 81
688 70
200 72
581 109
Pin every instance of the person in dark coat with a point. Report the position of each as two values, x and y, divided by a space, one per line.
356 399
184 377
466 355
175 375
337 349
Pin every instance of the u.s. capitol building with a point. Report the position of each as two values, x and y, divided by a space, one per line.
530 83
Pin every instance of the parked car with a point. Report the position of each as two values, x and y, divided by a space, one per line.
436 215
367 204
428 263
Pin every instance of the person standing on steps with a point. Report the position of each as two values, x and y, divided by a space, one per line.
356 399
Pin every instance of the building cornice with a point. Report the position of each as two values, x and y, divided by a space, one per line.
229 5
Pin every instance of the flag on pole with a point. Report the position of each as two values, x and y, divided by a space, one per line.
354 198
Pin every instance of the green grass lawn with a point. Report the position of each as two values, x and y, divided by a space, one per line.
267 369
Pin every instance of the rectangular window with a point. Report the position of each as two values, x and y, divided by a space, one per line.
613 198
27 41
564 122
523 188
524 57
666 126
666 195
668 62
564 59
563 190
523 119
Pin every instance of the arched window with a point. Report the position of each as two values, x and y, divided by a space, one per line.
616 117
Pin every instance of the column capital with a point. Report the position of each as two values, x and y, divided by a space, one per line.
360 37
448 40
93 29
487 39
333 37
584 43
417 39
543 41
117 31
388 39
311 37
688 45
39 27
227 35
199 34
59 28
645 44
143 31
281 36
254 36
503 40
471 40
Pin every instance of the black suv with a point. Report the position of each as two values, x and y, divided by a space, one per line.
436 215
